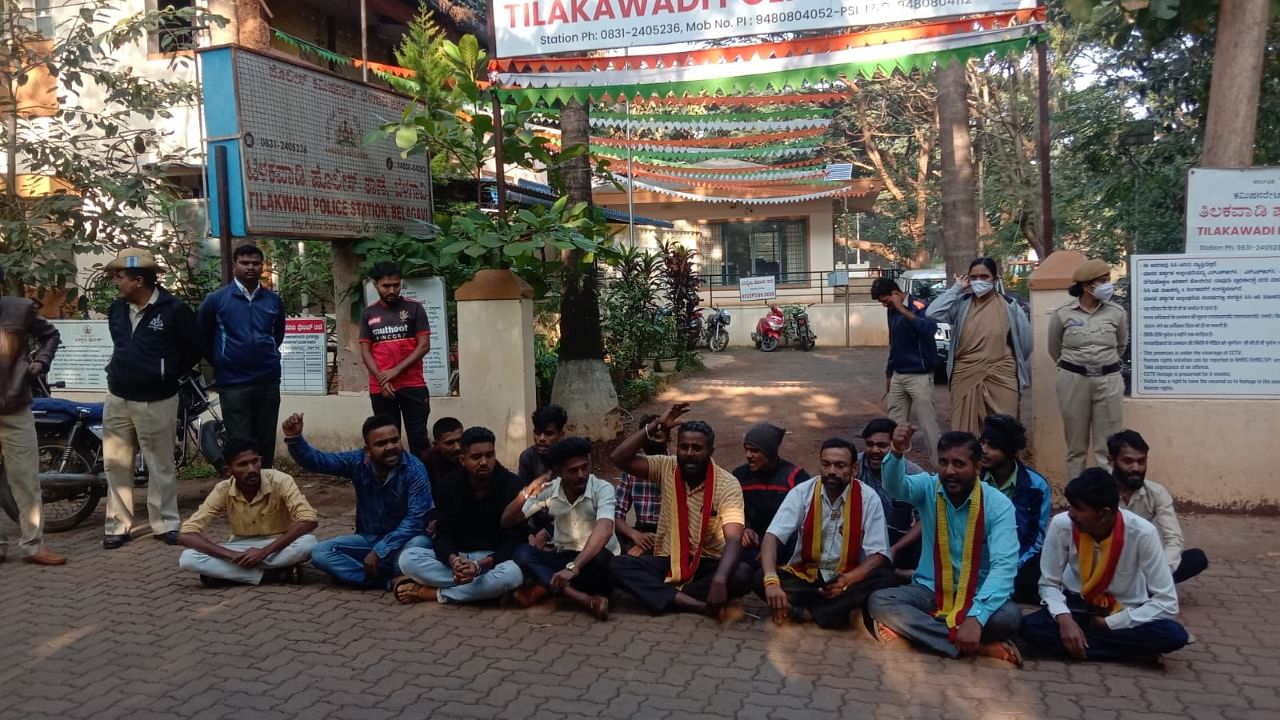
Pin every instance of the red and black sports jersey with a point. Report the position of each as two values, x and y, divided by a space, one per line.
392 332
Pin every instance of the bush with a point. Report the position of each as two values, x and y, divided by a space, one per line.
634 391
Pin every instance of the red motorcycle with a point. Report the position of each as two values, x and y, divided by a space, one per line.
787 328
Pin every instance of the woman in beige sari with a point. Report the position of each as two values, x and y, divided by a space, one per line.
989 363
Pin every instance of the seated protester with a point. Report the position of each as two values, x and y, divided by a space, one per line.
271 523
900 517
1107 589
445 452
695 562
472 556
642 494
393 497
576 563
843 551
958 602
1151 502
548 429
766 479
1003 437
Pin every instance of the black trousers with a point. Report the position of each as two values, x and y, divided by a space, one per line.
253 412
645 576
1026 586
540 565
414 406
1194 562
830 613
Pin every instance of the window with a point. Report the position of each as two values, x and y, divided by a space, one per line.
174 32
44 18
734 250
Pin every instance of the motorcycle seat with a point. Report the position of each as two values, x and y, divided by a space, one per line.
68 409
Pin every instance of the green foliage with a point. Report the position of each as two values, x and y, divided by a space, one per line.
545 362
680 281
632 392
689 360
308 273
630 309
112 154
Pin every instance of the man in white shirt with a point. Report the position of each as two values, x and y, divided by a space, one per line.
842 553
1106 587
576 561
1151 502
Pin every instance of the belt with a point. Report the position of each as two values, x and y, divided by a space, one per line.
1089 370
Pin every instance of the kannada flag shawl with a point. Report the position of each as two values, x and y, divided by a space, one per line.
685 550
954 595
1096 577
811 535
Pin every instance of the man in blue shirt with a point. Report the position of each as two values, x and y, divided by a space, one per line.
913 355
1003 437
393 497
242 328
959 600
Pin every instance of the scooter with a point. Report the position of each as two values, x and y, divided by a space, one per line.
715 331
790 327
72 475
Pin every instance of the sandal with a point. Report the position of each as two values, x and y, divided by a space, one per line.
599 608
408 591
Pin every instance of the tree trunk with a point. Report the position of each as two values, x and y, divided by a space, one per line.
582 385
1237 76
252 28
959 196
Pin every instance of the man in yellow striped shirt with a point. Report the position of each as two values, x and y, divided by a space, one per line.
270 521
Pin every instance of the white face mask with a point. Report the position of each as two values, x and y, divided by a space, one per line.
1104 292
981 287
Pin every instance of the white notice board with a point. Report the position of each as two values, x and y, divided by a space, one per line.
756 288
1206 326
83 354
303 366
430 292
1233 211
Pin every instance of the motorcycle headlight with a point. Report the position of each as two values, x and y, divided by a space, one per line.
727 318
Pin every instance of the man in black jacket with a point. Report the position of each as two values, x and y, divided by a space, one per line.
20 323
155 344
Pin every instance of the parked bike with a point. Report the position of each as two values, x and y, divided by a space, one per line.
715 329
72 476
784 327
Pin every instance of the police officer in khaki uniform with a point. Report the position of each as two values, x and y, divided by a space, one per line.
1086 338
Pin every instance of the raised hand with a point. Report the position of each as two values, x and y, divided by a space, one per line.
292 425
669 418
902 438
963 281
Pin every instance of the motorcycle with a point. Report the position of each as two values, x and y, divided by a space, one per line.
70 454
715 330
789 327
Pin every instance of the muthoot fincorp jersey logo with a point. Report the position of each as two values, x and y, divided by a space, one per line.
386 330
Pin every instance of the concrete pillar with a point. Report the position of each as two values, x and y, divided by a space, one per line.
224 34
1048 285
495 358
352 375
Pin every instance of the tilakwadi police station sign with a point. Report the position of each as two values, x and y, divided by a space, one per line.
542 27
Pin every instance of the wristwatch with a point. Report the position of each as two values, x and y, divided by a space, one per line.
571 567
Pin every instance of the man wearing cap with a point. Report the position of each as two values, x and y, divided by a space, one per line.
766 479
21 323
155 344
1086 338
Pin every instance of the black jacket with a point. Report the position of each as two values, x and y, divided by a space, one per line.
466 523
21 323
147 363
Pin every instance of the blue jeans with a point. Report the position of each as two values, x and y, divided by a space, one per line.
1040 629
425 568
908 611
343 558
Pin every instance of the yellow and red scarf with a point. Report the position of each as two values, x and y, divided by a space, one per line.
685 553
811 535
1095 579
954 596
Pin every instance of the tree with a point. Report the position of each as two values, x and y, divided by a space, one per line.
959 194
582 386
84 178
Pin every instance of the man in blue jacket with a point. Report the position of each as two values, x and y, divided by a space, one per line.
913 353
242 327
154 343
1003 437
393 497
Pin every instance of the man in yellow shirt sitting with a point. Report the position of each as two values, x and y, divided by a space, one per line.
270 521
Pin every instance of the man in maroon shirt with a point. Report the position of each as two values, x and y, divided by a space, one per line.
394 337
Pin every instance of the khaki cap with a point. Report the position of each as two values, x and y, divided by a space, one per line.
1090 270
134 258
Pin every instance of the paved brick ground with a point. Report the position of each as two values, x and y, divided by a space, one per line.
125 634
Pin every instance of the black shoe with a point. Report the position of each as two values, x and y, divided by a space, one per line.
111 542
212 582
169 538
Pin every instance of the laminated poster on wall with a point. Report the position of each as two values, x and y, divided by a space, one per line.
430 292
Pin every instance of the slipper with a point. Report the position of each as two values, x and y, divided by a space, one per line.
1005 651
599 607
413 592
